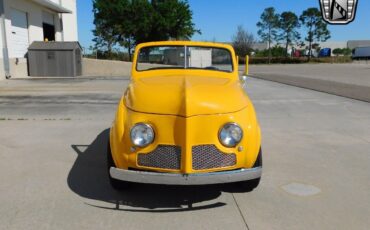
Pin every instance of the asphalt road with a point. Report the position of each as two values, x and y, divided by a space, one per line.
350 80
350 73
52 169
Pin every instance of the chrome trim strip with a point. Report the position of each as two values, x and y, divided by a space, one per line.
186 179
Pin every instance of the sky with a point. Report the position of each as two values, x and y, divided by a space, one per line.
218 19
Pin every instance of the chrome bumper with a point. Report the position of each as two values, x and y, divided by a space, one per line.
186 179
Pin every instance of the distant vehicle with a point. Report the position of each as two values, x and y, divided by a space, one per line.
313 53
326 52
361 53
296 53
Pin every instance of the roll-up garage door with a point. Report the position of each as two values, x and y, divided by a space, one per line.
19 34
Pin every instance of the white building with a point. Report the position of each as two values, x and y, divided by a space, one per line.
25 21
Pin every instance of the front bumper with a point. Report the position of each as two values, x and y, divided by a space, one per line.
186 179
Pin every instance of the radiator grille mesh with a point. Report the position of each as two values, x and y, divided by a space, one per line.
164 156
209 157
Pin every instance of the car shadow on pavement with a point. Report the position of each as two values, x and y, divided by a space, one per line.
88 178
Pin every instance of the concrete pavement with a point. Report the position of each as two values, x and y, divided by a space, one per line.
52 169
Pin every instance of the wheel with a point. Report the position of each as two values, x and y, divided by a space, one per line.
249 185
116 184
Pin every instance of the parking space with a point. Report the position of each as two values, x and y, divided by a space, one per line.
53 137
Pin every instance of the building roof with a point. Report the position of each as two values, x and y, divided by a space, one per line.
52 6
259 45
54 46
352 44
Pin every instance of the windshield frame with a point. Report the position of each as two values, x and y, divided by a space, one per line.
186 64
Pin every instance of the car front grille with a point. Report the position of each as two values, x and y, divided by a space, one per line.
164 156
209 157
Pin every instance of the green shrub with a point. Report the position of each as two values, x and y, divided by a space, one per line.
275 52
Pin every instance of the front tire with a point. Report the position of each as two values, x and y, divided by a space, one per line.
116 184
249 185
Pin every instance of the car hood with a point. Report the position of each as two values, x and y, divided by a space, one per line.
185 95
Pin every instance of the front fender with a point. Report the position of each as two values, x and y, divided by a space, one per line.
116 137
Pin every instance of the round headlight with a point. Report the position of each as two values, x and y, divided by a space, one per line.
142 135
230 135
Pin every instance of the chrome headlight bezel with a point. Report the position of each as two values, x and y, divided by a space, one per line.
146 141
234 142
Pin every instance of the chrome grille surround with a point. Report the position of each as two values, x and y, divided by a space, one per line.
164 157
209 157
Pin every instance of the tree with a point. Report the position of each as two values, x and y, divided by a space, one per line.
268 27
242 41
172 20
347 52
316 27
288 25
338 51
104 39
136 24
105 36
130 22
343 51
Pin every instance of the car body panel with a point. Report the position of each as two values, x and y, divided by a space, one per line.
185 95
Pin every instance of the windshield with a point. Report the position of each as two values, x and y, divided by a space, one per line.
173 57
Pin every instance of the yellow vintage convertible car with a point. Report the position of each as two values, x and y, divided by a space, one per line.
185 119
